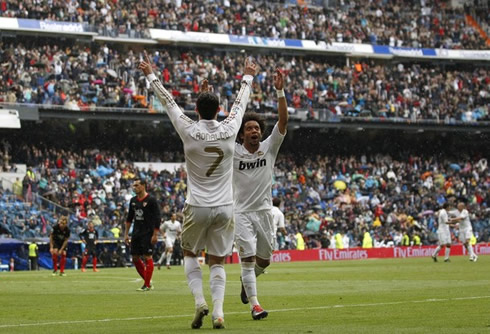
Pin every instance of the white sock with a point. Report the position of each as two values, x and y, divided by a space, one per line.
447 252
470 250
436 251
160 260
258 270
169 257
217 282
250 282
194 279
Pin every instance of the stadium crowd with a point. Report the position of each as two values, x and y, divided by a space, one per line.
321 195
425 23
84 78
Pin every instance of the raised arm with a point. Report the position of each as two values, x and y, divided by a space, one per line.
282 107
240 104
173 110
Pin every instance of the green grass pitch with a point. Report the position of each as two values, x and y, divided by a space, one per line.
369 296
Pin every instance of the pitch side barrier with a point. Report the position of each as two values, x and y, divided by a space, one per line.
368 253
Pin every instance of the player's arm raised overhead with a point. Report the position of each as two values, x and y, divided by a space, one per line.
173 110
282 104
240 104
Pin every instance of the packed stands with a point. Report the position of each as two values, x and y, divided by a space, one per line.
418 24
320 194
78 78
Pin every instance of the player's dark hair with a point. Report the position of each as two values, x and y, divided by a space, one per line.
251 116
207 105
276 201
141 181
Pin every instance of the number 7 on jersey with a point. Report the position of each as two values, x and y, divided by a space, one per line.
216 162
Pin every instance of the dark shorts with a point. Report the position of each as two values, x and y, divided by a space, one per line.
141 245
58 244
90 251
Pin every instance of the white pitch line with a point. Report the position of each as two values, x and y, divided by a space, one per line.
70 322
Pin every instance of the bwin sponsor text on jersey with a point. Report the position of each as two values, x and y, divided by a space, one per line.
251 165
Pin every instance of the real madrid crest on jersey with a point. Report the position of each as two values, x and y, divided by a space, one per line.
260 153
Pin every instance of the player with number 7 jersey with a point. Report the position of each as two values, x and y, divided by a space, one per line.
208 214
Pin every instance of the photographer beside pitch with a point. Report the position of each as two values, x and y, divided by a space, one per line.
208 212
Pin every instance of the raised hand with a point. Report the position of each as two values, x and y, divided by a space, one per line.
145 65
278 79
251 68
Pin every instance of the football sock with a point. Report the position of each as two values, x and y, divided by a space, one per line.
149 271
447 251
249 282
217 282
55 262
160 260
94 262
62 263
84 261
140 267
193 273
169 257
470 250
436 251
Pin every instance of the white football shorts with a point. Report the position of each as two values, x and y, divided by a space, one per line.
444 237
169 242
465 234
209 229
254 235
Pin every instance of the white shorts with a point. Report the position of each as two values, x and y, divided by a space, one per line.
465 234
444 237
254 235
209 229
169 242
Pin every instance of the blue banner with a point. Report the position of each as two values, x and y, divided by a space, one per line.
264 41
402 51
63 27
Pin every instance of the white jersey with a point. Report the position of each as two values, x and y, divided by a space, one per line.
277 219
208 147
252 174
464 224
442 220
171 228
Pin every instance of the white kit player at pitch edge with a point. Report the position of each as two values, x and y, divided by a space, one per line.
170 230
465 229
208 212
443 233
252 190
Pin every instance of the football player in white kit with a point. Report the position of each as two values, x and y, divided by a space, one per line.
278 221
170 230
465 229
208 213
252 190
443 234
